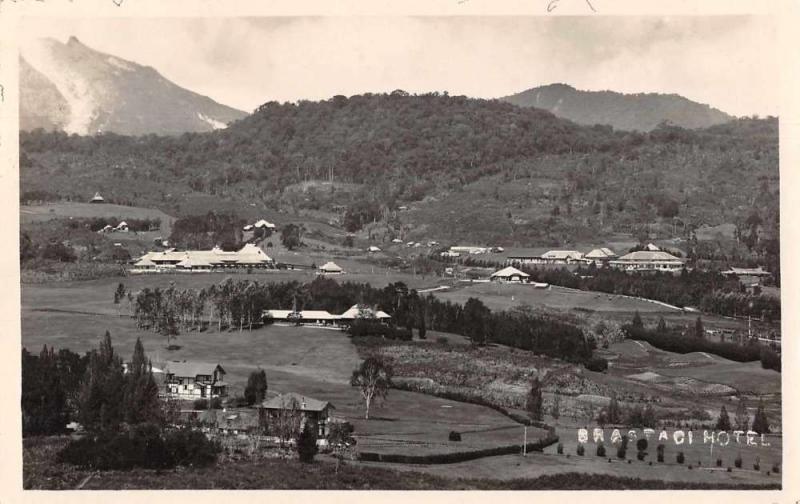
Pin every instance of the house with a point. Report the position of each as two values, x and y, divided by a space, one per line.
108 228
305 409
305 317
646 260
97 198
600 256
509 274
562 256
361 311
250 257
373 248
450 253
748 277
652 248
469 250
122 226
330 268
248 227
191 380
397 240
264 224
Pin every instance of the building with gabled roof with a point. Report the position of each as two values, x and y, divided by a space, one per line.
646 260
600 255
97 198
194 380
249 256
307 409
509 274
330 268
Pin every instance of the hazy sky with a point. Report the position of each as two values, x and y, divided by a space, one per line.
728 62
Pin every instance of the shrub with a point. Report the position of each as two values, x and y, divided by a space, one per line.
580 450
690 467
738 461
621 451
597 364
757 464
601 450
770 359
680 458
560 449
660 453
641 444
200 404
142 446
776 468
719 462
641 454
442 340
216 403
454 436
306 444
729 469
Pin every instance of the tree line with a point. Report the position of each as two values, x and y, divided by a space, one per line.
240 305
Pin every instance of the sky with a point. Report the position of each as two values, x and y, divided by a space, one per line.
727 62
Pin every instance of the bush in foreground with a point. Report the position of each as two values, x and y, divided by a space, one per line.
601 450
142 446
680 458
454 436
307 444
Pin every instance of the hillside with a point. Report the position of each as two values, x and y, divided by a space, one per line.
628 112
467 169
73 88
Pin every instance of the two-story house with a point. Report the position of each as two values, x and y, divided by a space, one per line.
192 380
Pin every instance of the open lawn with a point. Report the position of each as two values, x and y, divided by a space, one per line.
503 296
311 361
50 211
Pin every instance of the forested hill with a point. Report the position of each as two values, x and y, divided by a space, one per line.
630 112
401 148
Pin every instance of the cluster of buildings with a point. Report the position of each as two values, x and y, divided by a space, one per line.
248 257
122 227
192 380
324 318
651 259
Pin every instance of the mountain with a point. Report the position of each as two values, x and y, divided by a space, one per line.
73 88
629 112
472 171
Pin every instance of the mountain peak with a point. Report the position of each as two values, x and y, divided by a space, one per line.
75 88
630 112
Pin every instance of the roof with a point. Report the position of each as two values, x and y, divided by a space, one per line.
249 254
144 261
304 403
562 254
747 272
509 272
262 223
600 253
330 266
305 314
650 256
248 227
97 196
373 248
652 248
356 312
191 369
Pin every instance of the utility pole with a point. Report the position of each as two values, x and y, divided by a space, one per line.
525 441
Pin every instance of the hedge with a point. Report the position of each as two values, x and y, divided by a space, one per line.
452 458
672 342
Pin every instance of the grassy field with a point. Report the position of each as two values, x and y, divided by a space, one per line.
42 473
50 211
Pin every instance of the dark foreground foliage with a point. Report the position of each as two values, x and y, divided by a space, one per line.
143 446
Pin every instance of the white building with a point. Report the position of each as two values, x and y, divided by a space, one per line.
249 256
646 260
509 274
330 268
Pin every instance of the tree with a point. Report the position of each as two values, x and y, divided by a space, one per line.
637 320
742 418
373 379
723 422
534 403
256 389
555 407
613 414
341 441
476 316
290 236
760 420
698 328
140 401
44 402
662 325
307 444
100 405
